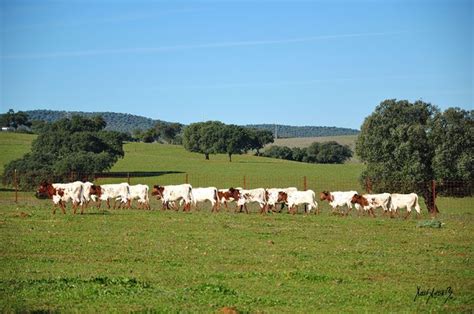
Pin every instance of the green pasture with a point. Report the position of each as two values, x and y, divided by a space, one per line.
167 261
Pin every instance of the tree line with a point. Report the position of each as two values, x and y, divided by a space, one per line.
128 123
324 153
289 131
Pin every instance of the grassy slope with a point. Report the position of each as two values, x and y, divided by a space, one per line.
306 141
128 260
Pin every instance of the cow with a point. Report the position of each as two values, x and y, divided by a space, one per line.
173 193
253 196
90 192
140 193
272 196
405 200
295 198
119 191
228 195
368 202
206 194
338 199
61 193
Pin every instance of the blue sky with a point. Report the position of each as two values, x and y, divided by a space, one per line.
326 63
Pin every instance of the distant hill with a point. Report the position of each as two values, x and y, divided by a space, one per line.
122 122
125 122
287 131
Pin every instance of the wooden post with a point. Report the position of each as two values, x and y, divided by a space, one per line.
15 182
245 182
186 180
128 178
305 184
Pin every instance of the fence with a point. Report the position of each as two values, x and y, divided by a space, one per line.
443 194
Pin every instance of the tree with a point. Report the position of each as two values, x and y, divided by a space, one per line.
77 145
167 131
14 120
233 139
333 153
406 145
298 153
259 138
279 152
202 137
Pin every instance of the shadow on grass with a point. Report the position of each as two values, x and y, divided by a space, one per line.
100 213
132 174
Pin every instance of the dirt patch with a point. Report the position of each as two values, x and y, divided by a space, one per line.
22 215
228 310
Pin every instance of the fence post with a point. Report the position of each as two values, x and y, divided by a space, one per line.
186 180
128 178
16 186
433 188
245 182
305 184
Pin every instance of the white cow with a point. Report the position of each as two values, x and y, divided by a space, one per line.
272 195
369 202
252 196
296 198
174 193
120 191
140 193
405 200
338 199
206 194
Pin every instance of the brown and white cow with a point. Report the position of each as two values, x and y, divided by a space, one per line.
362 201
295 198
174 193
61 193
338 199
228 195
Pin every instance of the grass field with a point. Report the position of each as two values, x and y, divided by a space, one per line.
167 261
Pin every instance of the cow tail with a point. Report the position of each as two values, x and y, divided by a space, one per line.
389 203
147 198
192 200
417 205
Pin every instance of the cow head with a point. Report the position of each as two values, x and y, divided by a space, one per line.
359 199
234 193
158 191
45 190
282 197
326 195
96 190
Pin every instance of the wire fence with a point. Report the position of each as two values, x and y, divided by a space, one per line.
445 194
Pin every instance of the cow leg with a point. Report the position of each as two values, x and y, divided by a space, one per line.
62 207
407 214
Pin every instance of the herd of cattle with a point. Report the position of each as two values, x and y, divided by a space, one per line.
174 196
